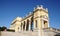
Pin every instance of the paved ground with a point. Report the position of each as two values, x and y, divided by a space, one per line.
22 33
30 33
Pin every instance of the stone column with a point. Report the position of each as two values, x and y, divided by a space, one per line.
29 25
22 26
42 23
39 22
19 28
34 24
48 23
41 31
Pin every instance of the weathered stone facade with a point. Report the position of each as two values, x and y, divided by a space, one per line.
38 19
35 21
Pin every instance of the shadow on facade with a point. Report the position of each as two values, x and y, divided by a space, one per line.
57 34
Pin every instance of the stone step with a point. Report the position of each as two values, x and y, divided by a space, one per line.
22 33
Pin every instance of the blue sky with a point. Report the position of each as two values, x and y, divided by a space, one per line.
10 9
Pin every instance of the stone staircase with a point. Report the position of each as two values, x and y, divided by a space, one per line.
29 33
22 33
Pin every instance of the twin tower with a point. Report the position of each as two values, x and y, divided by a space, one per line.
36 20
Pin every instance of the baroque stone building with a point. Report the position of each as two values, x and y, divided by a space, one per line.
36 20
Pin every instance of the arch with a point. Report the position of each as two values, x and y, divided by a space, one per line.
21 26
36 23
24 26
27 26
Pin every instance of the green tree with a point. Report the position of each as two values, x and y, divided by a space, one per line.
0 28
3 28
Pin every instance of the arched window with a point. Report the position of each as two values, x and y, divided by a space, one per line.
36 23
21 26
27 26
24 26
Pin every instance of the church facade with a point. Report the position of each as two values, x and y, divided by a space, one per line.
36 20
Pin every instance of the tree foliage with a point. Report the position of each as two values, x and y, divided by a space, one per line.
5 28
2 28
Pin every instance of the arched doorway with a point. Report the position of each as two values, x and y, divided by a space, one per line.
21 26
24 26
27 26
